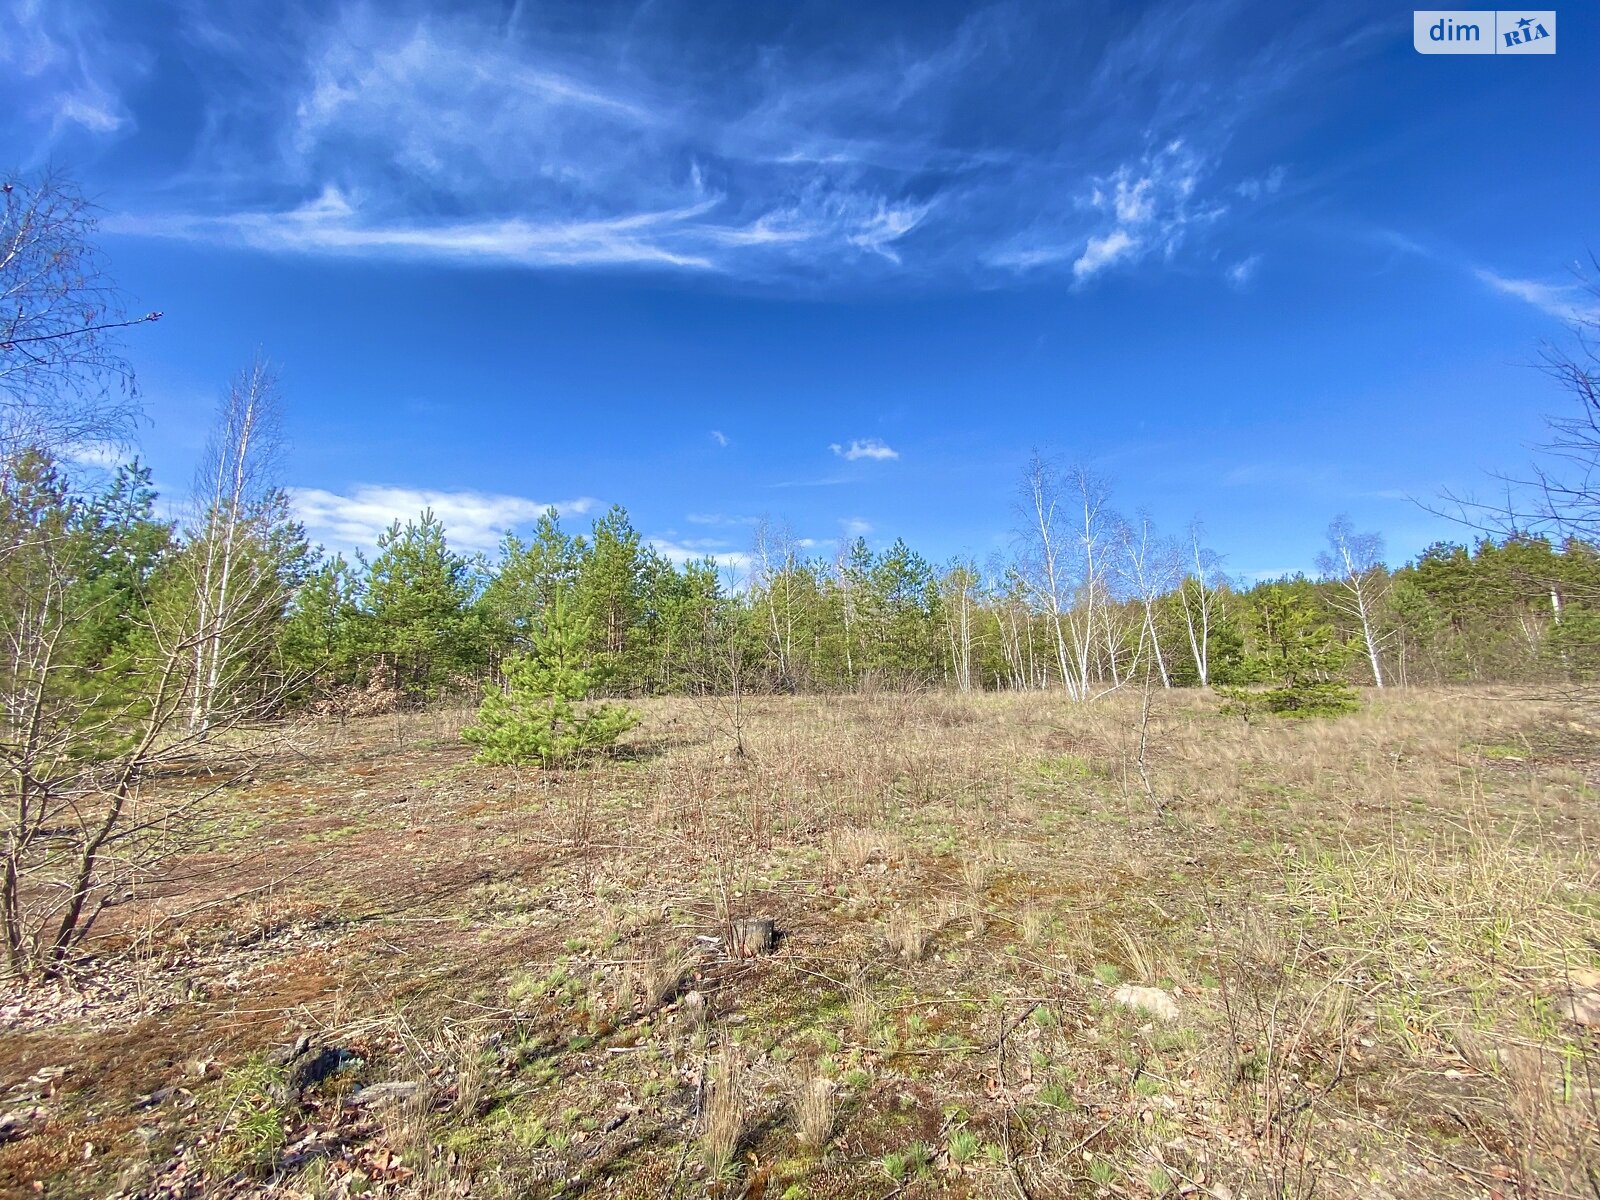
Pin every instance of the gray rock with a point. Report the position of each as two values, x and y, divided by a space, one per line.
1157 1003
394 1092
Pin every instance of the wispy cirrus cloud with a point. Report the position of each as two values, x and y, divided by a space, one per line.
1102 252
868 448
58 66
1566 302
473 520
590 137
332 225
1143 207
1242 272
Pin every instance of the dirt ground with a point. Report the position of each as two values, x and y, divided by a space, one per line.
1024 949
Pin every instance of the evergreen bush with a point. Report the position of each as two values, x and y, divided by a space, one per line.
541 715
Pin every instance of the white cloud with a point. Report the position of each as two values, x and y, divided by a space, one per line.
864 448
1265 185
889 224
539 141
59 67
98 454
720 438
704 518
1143 207
855 527
1102 252
91 112
1134 202
1033 256
320 228
472 520
448 140
1243 271
1569 302
680 552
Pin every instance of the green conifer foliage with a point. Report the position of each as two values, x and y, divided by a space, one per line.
541 716
1296 652
420 611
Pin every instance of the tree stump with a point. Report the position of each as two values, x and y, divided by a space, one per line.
752 936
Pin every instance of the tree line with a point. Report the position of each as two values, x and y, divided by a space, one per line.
428 621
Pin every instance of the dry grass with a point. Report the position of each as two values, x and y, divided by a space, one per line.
814 1106
726 1117
908 933
1371 926
657 979
864 1009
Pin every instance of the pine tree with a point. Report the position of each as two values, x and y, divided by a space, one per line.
123 546
904 596
540 715
609 594
529 574
1297 652
680 614
317 643
421 616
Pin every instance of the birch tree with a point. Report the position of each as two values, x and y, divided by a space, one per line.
1355 562
852 565
63 381
1150 570
1198 598
773 580
959 595
1064 559
237 502
1044 565
1093 525
1013 618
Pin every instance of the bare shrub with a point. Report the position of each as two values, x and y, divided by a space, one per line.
378 697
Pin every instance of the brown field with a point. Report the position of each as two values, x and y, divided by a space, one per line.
1381 934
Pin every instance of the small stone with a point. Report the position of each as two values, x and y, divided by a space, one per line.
377 1094
1147 999
1582 1008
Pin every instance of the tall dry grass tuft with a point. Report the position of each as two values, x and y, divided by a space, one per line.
908 932
849 849
814 1112
657 979
412 1135
464 1049
862 1006
725 1118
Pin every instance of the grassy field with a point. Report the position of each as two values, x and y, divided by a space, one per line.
1374 943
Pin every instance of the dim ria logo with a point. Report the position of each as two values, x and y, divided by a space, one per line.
1484 31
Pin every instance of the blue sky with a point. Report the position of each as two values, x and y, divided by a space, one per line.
841 265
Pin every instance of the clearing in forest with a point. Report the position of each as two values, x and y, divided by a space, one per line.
1024 948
